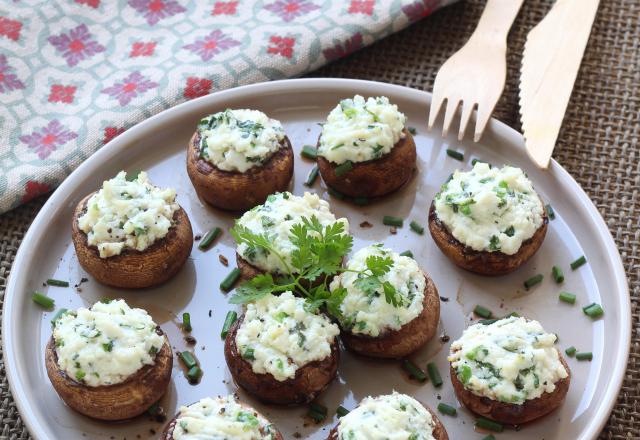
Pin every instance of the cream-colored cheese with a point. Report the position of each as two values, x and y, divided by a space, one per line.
511 360
490 209
237 140
394 416
221 418
128 215
358 130
370 313
279 336
275 218
105 344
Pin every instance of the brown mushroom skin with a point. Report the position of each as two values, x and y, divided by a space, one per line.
439 432
121 401
134 269
509 413
483 262
235 191
404 341
377 177
309 381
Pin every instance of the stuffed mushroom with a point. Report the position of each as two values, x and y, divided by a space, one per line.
488 220
130 233
282 353
509 371
389 416
365 149
109 362
236 158
220 418
386 315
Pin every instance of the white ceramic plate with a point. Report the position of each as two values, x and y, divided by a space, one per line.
158 145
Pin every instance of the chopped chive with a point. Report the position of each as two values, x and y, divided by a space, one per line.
336 194
417 228
489 425
455 154
488 321
343 168
406 253
361 201
571 351
512 314
447 409
474 161
341 411
194 373
132 176
154 409
318 408
390 220
584 356
557 274
188 359
482 312
249 354
567 297
312 176
209 238
186 322
434 374
594 310
489 437
230 280
43 300
550 212
310 152
413 370
59 314
579 262
536 279
57 283
317 412
413 130
228 322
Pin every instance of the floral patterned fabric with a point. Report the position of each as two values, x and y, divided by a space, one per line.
74 74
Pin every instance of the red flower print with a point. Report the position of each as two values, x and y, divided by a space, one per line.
34 189
341 50
156 10
8 80
111 132
281 46
197 87
45 140
76 45
60 93
419 9
93 3
141 49
10 28
133 85
224 8
290 9
212 44
362 7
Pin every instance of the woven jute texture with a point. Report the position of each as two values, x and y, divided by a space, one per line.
598 143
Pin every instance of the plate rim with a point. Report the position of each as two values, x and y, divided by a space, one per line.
119 143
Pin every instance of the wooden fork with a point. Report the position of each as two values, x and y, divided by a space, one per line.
474 76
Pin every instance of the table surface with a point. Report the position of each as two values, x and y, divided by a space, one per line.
598 144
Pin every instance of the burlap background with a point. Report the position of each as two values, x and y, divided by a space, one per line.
598 144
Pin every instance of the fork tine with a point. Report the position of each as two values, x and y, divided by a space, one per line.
452 106
467 110
482 117
436 104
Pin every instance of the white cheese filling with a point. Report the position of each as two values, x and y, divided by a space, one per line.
512 360
221 418
237 140
128 215
275 218
278 336
490 209
393 416
105 344
357 130
367 311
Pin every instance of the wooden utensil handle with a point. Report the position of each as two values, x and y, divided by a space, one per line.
497 18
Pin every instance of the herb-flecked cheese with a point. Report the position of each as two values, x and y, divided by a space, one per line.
237 140
357 130
392 416
127 214
279 336
512 360
219 419
490 209
105 344
367 312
